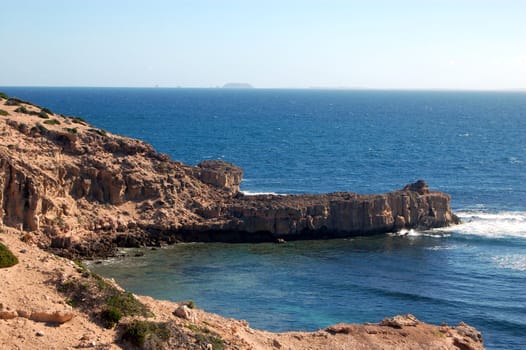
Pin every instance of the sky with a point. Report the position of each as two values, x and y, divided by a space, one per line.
404 44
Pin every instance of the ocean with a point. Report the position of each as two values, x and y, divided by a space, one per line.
471 145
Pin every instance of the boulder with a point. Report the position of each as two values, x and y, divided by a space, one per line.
184 312
52 317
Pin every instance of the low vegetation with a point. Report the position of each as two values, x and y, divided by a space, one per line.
39 128
140 333
78 120
7 258
110 317
21 109
205 336
101 299
71 130
12 102
15 101
3 113
3 95
101 132
43 115
52 122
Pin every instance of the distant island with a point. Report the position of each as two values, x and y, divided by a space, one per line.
237 86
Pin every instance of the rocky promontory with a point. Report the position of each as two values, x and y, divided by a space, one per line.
80 190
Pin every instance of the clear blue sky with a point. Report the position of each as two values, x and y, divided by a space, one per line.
455 44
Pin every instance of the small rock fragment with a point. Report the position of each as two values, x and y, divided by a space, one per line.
339 328
400 321
7 315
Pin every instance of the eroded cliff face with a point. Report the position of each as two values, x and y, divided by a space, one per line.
325 215
83 190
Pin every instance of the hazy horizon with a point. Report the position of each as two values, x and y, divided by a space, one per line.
336 44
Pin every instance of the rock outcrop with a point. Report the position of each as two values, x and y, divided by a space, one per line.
82 191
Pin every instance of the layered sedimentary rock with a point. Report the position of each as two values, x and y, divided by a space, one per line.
83 190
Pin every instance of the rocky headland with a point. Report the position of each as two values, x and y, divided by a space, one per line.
70 188
83 191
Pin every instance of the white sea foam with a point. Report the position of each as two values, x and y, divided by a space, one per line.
250 193
511 261
494 225
414 233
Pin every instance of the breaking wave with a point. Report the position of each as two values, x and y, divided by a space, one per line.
251 193
493 225
511 261
415 233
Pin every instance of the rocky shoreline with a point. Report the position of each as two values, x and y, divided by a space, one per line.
49 302
78 191
82 191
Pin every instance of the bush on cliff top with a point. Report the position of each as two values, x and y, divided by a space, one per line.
110 317
7 259
100 298
3 95
140 332
52 122
78 120
3 113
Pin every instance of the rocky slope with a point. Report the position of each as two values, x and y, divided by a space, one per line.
49 302
82 191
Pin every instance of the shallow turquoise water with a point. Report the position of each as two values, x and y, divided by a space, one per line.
308 285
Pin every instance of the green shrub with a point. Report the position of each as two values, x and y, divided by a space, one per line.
71 130
101 132
46 110
205 336
138 332
52 122
43 115
127 304
7 259
78 120
99 298
22 109
3 95
23 128
215 340
110 317
12 102
39 128
3 113
80 265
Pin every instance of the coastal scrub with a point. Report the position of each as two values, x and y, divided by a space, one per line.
7 258
140 332
97 296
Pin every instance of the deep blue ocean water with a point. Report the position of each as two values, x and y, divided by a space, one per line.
471 145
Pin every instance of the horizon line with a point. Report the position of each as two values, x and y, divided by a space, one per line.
333 88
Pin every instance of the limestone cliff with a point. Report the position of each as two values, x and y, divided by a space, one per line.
83 190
